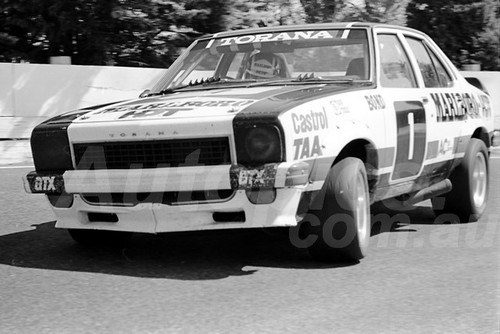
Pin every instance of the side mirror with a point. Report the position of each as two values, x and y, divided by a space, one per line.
145 94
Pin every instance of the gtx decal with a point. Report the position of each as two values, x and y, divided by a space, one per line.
48 184
261 177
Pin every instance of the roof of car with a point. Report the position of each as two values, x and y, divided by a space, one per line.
284 28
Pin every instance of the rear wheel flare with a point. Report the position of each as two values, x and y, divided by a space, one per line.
467 200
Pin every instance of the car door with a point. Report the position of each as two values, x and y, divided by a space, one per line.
443 100
407 110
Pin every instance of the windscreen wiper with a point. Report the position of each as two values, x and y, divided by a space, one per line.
310 77
200 82
191 83
303 78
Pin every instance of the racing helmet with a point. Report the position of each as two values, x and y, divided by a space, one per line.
262 65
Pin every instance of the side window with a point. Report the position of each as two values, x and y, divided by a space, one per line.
425 63
433 71
444 77
395 68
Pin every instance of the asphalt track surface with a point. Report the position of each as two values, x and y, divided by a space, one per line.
419 277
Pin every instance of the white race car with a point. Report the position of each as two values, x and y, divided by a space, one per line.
301 126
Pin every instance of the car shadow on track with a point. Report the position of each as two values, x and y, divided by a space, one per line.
201 255
387 217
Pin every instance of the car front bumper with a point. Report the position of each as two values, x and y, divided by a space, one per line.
262 197
157 217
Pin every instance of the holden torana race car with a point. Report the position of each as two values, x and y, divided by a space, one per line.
301 126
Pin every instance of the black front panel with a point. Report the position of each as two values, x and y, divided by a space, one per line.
50 143
153 154
50 148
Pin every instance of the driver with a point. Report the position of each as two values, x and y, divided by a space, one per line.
266 66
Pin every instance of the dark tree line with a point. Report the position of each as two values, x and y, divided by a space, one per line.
153 32
99 32
467 31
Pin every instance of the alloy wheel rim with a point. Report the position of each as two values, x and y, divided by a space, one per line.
362 209
479 181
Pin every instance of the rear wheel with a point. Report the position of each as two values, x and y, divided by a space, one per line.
467 200
100 238
341 214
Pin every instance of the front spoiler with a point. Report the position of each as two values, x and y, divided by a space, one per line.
159 218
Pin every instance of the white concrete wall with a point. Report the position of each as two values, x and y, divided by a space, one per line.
491 81
30 93
47 90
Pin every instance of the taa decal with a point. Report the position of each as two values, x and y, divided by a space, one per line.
307 147
44 183
313 121
411 140
375 102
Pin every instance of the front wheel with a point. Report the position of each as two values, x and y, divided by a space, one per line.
466 202
340 215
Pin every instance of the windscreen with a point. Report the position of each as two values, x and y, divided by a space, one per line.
329 54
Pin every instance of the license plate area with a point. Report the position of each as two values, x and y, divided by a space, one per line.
44 183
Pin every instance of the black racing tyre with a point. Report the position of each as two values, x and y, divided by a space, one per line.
467 200
340 215
100 238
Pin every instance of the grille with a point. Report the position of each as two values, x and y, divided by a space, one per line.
158 197
152 154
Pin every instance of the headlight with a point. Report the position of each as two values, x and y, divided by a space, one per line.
261 144
258 145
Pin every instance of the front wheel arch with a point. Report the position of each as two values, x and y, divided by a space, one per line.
339 218
365 151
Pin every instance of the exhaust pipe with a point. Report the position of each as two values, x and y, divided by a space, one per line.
437 189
